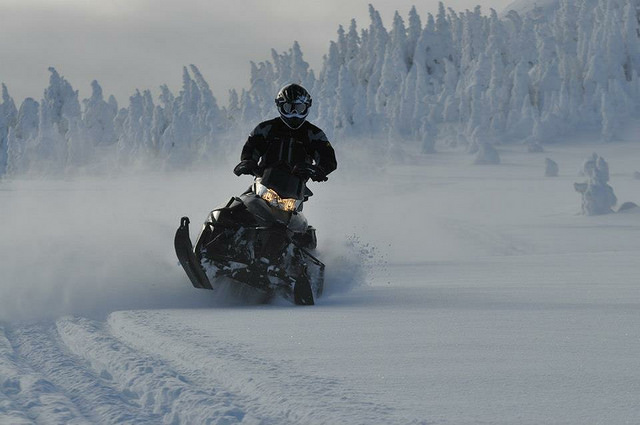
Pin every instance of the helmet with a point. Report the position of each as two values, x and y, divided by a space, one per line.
293 102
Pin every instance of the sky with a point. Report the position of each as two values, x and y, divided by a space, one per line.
142 44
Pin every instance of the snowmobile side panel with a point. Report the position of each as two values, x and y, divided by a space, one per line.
188 261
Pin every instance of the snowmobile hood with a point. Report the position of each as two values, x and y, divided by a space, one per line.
268 215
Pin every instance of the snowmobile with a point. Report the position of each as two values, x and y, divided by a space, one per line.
257 240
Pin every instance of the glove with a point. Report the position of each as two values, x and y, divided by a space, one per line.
247 166
309 171
319 175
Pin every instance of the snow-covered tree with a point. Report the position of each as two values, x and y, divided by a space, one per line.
393 74
98 116
597 196
23 137
450 77
486 155
551 168
59 122
328 89
8 117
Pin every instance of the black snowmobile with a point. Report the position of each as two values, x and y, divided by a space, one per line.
258 240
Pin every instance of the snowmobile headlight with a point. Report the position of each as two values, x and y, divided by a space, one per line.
288 204
270 195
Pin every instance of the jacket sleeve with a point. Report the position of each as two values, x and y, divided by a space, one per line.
324 156
256 144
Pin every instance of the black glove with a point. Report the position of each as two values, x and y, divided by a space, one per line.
309 171
319 175
247 166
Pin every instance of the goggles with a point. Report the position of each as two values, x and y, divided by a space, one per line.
273 199
290 108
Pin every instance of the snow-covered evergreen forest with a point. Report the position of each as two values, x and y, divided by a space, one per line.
454 79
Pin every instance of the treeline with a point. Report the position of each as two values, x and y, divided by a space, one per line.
458 78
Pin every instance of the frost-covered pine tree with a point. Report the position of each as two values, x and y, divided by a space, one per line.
344 118
97 118
233 110
597 196
375 48
257 105
498 88
409 91
478 121
8 117
290 67
59 122
135 129
521 114
180 140
350 103
329 91
22 138
392 76
413 33
417 88
208 116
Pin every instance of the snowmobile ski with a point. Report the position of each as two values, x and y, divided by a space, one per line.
187 258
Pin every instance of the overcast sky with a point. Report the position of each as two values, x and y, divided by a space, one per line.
129 44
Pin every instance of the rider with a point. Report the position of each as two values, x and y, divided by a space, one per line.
286 151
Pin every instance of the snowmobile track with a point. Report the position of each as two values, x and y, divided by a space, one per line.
139 368
273 388
28 396
75 372
158 387
92 391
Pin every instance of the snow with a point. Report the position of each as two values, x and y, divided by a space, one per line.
491 300
454 293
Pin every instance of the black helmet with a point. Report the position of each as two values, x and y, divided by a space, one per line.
293 102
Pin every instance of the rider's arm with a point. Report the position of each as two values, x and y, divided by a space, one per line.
324 156
256 144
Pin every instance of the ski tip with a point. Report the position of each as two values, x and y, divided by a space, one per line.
184 222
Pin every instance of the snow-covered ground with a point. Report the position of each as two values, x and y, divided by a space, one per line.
477 295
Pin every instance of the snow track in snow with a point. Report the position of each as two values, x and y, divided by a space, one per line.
27 395
75 372
92 391
158 388
11 412
140 369
274 389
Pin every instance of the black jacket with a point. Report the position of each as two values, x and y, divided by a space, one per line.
278 148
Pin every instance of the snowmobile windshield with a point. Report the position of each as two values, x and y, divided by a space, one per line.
285 184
